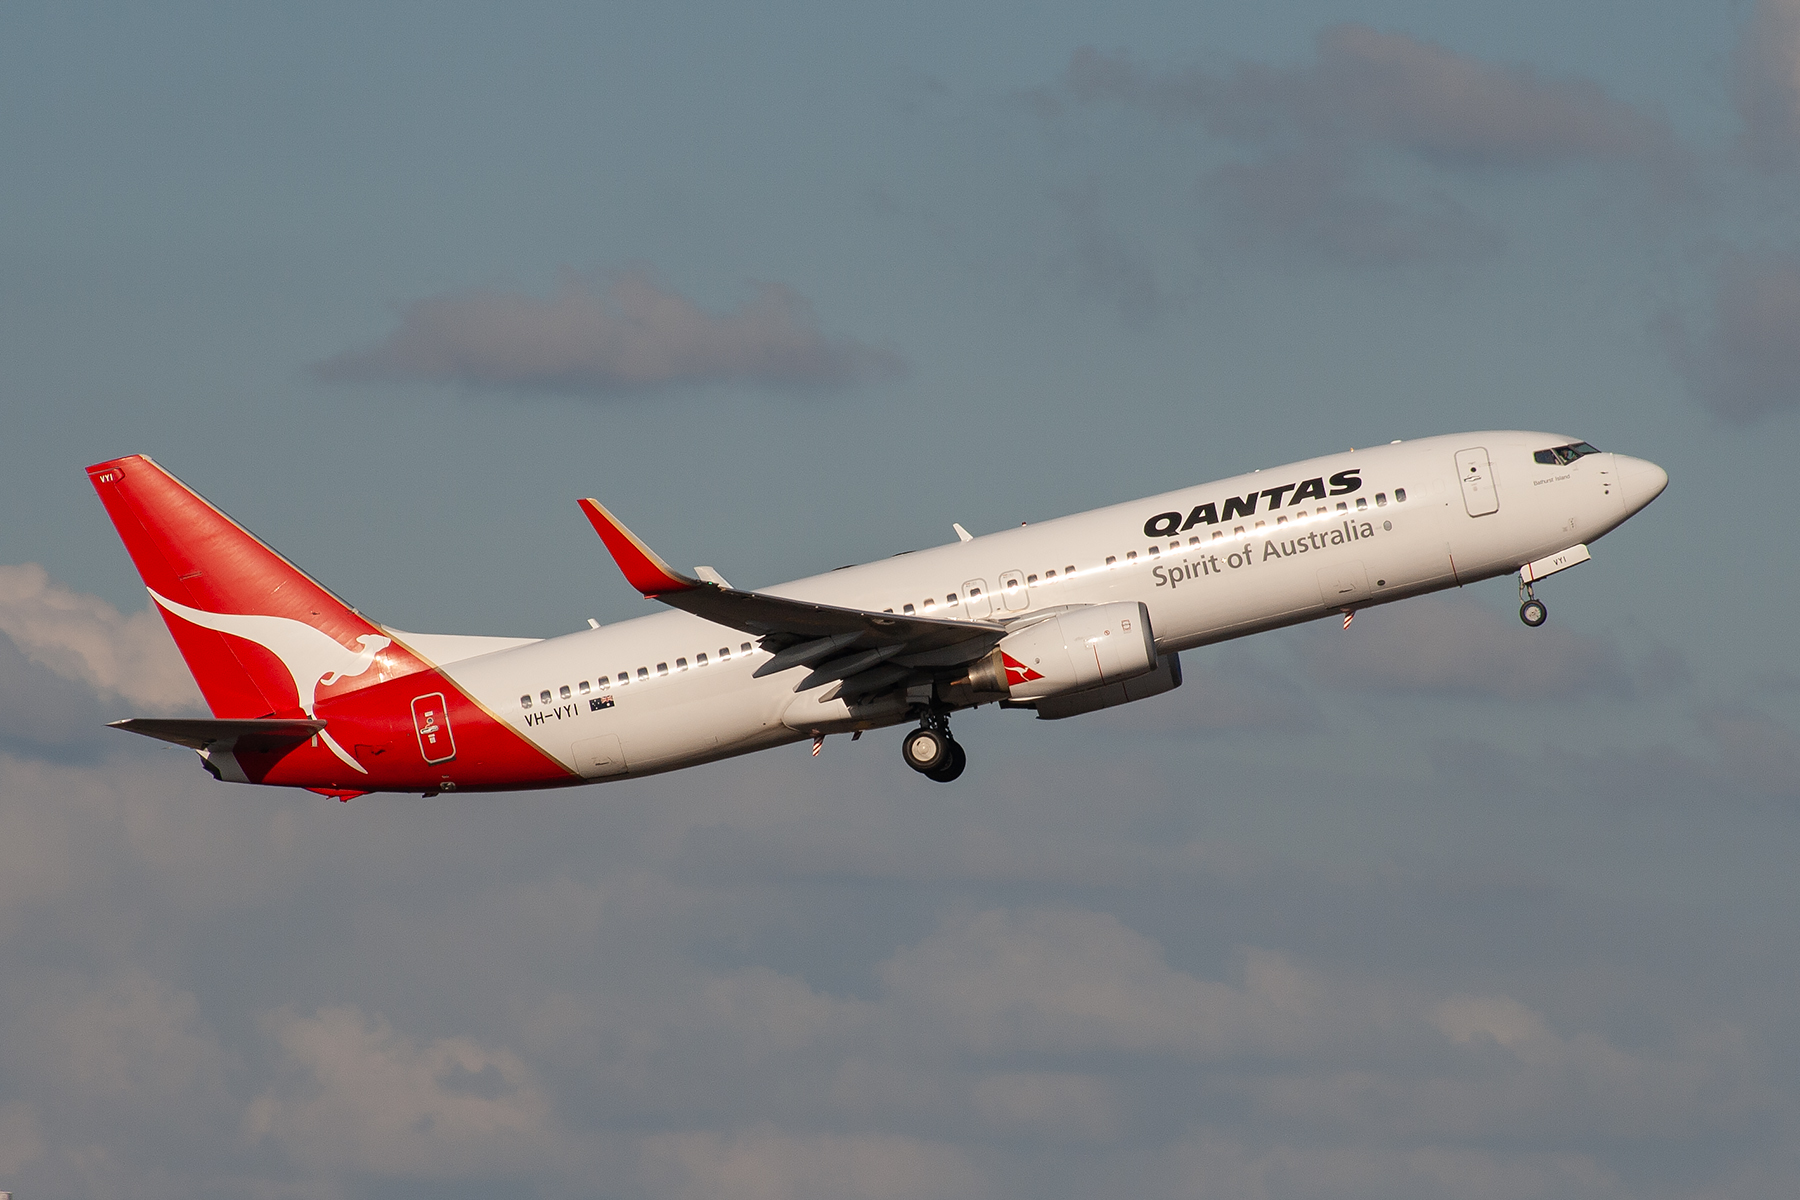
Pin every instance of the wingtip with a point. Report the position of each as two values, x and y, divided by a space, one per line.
644 569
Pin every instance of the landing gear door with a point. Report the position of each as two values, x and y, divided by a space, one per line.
1477 477
975 596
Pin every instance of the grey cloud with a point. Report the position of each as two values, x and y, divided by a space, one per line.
1317 132
1746 365
1755 751
1105 267
1313 202
615 337
1456 646
358 1096
1387 89
1766 83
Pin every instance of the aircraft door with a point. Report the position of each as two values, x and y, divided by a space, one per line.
975 596
432 724
1013 593
1477 477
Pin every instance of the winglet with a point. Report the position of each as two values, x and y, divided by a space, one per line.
643 569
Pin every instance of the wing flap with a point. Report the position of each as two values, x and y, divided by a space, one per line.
783 622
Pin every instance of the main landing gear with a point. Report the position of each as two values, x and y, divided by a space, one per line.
1532 611
932 752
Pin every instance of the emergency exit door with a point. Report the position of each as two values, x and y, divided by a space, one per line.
1477 477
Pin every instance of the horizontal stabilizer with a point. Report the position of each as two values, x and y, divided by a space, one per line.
200 734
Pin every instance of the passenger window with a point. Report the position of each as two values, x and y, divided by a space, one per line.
930 604
565 691
544 696
1219 535
1175 543
1281 520
1321 510
745 648
681 664
724 653
1156 552
1361 504
582 687
643 672
700 659
1400 495
1112 560
1194 540
1342 506
1068 570
1031 581
624 678
1260 524
1380 499
906 609
662 668
950 599
1238 532
1131 556
1049 575
525 700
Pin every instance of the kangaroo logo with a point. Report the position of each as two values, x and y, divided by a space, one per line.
313 658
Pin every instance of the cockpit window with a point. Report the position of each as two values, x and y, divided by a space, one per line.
1561 456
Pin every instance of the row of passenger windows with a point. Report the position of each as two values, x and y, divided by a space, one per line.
930 604
582 687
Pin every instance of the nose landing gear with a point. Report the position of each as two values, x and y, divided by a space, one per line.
932 752
1532 611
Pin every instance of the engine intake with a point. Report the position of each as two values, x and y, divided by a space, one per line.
1076 649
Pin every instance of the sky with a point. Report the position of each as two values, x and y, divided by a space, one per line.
1436 906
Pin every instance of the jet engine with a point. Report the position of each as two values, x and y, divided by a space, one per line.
1072 650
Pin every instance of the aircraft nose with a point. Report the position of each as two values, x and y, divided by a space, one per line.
1640 480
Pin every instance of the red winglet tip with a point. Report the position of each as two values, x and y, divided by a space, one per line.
643 568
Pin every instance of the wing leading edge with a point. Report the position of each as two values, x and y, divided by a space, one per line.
868 650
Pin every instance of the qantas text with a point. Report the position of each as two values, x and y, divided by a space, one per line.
1170 523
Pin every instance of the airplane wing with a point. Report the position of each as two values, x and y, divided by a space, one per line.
854 644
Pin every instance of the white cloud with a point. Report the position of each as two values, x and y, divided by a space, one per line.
83 638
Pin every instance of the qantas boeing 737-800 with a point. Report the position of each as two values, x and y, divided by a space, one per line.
1063 617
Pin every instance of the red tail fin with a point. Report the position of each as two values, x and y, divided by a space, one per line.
261 638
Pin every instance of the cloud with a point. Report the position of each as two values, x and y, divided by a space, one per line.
1456 646
1319 133
1766 83
616 337
359 1096
1079 982
767 1164
1746 365
85 639
1312 201
1386 89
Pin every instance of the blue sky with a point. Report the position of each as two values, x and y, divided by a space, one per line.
1437 906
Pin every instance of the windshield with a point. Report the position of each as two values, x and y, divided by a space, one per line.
1563 455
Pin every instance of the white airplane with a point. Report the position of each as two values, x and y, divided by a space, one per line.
1064 617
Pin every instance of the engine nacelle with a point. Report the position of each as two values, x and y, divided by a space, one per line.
1076 649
